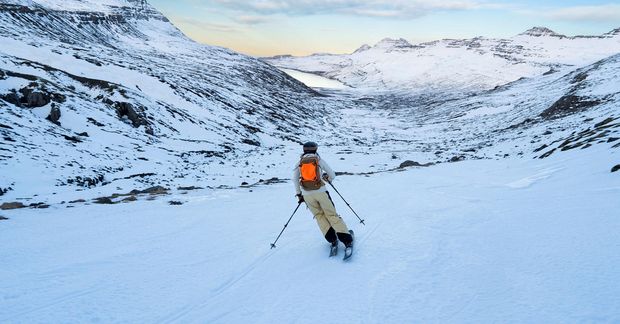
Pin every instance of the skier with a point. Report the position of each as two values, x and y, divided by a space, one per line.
311 189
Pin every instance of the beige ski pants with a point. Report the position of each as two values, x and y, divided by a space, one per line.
325 213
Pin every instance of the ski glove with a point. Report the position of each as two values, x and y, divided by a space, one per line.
300 198
326 177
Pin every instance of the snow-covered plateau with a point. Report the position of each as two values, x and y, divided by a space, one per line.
143 176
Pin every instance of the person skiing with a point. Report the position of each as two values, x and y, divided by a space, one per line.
308 176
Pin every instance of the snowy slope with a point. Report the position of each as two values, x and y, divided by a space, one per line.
477 241
102 102
448 65
128 94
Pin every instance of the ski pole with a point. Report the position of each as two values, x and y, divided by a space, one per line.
361 220
285 225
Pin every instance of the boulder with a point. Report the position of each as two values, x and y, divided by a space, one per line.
615 168
130 199
39 205
156 190
127 109
11 205
103 200
54 115
409 163
12 98
35 99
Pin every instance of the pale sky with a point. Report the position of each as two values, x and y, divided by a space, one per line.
303 27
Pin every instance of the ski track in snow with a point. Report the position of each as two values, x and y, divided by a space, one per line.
185 311
449 243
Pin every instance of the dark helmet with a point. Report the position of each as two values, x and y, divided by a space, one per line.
310 147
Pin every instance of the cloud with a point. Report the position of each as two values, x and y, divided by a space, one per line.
372 8
196 23
600 13
252 20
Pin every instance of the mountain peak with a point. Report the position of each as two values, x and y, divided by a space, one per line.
391 43
363 48
614 32
540 31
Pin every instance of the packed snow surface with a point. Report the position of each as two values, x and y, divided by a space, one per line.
475 241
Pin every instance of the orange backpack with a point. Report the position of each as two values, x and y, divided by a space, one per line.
309 172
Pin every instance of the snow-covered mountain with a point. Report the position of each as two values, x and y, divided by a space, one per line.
100 100
94 91
451 64
108 96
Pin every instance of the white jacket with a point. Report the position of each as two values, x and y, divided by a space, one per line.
323 168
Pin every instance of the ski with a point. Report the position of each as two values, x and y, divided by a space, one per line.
348 251
333 250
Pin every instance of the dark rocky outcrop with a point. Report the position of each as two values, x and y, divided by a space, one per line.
544 146
410 163
33 99
130 199
33 96
251 142
190 188
5 190
12 98
86 181
156 190
12 205
103 201
604 122
135 116
568 105
54 115
126 109
39 205
273 180
615 168
94 122
73 139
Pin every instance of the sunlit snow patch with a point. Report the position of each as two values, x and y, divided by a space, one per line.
530 180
